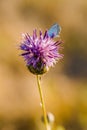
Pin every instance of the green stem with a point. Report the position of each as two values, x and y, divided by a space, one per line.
42 102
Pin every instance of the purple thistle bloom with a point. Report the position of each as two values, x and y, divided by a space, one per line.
40 52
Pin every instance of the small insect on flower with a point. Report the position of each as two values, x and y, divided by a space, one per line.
41 52
54 31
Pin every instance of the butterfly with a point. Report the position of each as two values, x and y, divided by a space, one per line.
54 31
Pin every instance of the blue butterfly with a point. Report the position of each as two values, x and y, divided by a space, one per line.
54 31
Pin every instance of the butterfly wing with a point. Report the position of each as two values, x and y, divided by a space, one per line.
54 31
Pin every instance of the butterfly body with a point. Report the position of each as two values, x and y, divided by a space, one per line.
54 31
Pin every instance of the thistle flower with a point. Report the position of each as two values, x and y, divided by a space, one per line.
40 52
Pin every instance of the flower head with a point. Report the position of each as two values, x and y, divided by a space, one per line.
40 52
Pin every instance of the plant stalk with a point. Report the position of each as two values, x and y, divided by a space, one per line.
42 102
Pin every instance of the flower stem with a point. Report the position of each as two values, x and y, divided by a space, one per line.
42 102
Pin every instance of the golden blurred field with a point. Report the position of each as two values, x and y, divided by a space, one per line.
64 86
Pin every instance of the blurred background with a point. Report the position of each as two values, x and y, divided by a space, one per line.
64 86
